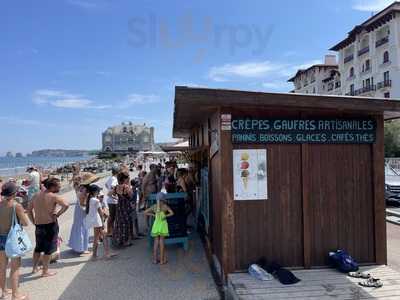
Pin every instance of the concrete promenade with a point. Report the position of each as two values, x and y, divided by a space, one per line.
129 276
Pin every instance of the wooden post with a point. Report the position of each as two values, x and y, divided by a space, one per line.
228 221
378 157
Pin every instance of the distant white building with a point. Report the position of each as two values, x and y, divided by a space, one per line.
318 79
128 137
369 61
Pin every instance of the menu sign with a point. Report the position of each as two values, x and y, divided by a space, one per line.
303 131
250 174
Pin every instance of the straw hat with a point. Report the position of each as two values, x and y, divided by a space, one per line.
88 178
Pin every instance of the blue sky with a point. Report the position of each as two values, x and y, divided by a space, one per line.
71 68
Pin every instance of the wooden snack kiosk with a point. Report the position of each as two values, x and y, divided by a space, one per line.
290 176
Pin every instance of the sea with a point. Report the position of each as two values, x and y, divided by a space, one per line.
13 166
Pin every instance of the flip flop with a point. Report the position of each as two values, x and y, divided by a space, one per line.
23 297
112 255
49 274
371 282
6 293
359 275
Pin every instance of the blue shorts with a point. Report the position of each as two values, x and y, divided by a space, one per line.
3 239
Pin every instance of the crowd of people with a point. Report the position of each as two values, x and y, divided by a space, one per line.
109 214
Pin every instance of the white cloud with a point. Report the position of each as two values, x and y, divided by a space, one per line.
84 3
72 103
252 70
62 99
270 75
142 99
246 70
371 5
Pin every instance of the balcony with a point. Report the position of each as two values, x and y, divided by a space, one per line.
366 89
383 84
348 58
363 51
382 41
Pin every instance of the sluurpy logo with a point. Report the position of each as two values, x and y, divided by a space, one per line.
200 35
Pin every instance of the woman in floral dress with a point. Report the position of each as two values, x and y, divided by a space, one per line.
123 227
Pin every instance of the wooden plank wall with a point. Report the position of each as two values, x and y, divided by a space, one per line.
341 198
273 228
321 197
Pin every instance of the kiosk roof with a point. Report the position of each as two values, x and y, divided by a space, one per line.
192 105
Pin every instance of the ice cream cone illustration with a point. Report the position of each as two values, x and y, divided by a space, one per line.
245 182
244 165
245 156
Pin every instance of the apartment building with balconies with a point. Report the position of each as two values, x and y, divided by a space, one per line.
319 78
368 57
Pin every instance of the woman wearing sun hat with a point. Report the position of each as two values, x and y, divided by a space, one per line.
79 236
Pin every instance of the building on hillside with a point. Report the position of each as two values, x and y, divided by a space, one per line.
128 138
318 79
369 56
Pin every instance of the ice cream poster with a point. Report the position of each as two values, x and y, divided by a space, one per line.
250 174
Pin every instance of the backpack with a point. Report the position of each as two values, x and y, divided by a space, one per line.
342 261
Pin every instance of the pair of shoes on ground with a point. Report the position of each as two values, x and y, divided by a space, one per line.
369 280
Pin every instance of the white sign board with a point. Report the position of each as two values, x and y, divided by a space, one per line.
250 174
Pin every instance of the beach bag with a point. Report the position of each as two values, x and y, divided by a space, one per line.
18 242
342 261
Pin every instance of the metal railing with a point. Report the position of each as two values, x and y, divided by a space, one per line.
381 41
363 90
385 83
363 51
348 58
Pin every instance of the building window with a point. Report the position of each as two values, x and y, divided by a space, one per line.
386 76
351 73
386 95
352 89
313 90
386 57
367 65
367 82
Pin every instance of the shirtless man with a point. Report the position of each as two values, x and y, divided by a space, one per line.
42 212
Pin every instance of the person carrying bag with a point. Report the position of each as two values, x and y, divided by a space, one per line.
18 242
10 212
